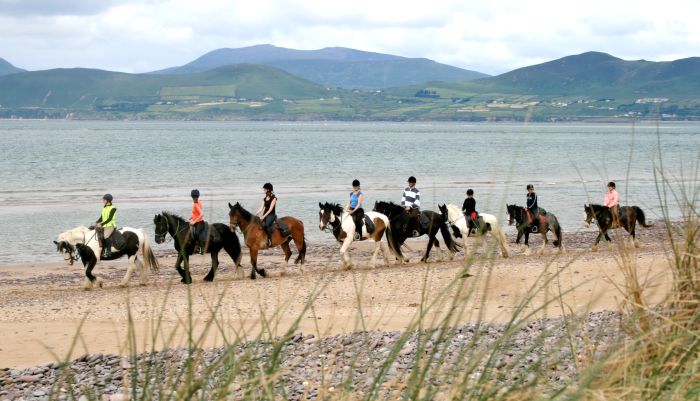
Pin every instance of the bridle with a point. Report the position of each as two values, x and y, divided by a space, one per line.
164 235
73 255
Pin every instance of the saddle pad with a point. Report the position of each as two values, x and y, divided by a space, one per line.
369 224
118 241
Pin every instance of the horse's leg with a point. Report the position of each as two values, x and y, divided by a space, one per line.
374 254
300 243
544 241
384 251
129 271
467 251
526 245
253 261
178 267
632 231
344 255
143 275
187 277
90 279
214 265
431 240
501 238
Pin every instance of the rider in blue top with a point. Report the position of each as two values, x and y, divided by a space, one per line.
354 207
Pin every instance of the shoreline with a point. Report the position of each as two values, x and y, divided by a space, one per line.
45 303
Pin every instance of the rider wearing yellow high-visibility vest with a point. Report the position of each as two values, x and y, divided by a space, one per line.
106 225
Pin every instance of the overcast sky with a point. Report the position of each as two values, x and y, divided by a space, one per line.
488 36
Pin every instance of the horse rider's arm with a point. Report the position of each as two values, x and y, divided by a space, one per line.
359 202
261 208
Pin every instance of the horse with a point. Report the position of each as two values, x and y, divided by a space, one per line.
401 229
332 217
628 217
220 236
487 224
81 243
255 236
547 222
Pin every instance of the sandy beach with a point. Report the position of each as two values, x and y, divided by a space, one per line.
47 316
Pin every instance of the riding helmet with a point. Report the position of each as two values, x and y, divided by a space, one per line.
611 184
412 179
195 193
268 186
108 198
355 183
470 192
530 186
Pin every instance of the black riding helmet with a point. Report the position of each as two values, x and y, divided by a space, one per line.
355 183
268 186
107 197
412 179
195 193
530 186
470 192
611 184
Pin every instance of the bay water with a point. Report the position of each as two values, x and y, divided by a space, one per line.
53 173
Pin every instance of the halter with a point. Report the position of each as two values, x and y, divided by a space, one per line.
447 217
165 234
73 255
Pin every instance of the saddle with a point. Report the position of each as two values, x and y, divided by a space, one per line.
369 224
117 240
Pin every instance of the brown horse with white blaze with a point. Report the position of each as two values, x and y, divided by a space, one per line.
255 236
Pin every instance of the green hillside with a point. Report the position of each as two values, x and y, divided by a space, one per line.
7 68
88 89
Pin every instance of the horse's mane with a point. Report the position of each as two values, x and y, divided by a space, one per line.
244 213
393 207
174 215
333 207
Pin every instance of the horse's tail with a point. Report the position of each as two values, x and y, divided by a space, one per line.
302 252
149 258
450 243
231 244
557 232
391 240
640 217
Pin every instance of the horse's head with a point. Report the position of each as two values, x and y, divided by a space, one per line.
68 251
514 214
161 223
328 214
588 214
234 214
444 212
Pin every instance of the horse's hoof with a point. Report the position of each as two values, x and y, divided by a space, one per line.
636 243
143 284
182 280
209 279
252 276
262 272
595 248
122 285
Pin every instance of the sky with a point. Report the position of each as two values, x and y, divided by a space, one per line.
492 37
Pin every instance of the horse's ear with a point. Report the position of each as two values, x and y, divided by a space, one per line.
320 206
55 242
230 206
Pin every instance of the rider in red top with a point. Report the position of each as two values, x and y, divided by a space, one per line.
197 226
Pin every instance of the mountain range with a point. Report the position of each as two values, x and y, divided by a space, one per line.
7 68
587 85
334 66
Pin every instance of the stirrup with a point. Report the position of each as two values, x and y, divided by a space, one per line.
415 233
357 237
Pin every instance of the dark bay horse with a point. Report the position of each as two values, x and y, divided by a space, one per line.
220 237
402 226
628 217
547 222
255 236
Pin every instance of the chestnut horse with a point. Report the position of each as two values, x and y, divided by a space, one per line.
255 236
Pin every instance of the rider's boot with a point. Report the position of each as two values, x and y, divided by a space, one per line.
106 249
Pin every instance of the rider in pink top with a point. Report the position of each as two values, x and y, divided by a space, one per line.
612 199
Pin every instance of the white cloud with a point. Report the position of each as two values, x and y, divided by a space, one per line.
492 37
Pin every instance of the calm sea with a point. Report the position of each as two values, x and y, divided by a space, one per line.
53 173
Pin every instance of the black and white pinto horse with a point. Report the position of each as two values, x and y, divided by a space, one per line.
220 237
81 243
340 222
401 229
547 222
487 224
628 217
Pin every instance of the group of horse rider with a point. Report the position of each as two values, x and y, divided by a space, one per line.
410 200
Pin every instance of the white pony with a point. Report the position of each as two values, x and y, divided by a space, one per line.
487 223
81 243
333 216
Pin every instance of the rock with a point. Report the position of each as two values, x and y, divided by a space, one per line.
29 378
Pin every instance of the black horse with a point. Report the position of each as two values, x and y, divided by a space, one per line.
547 222
220 236
628 216
402 226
